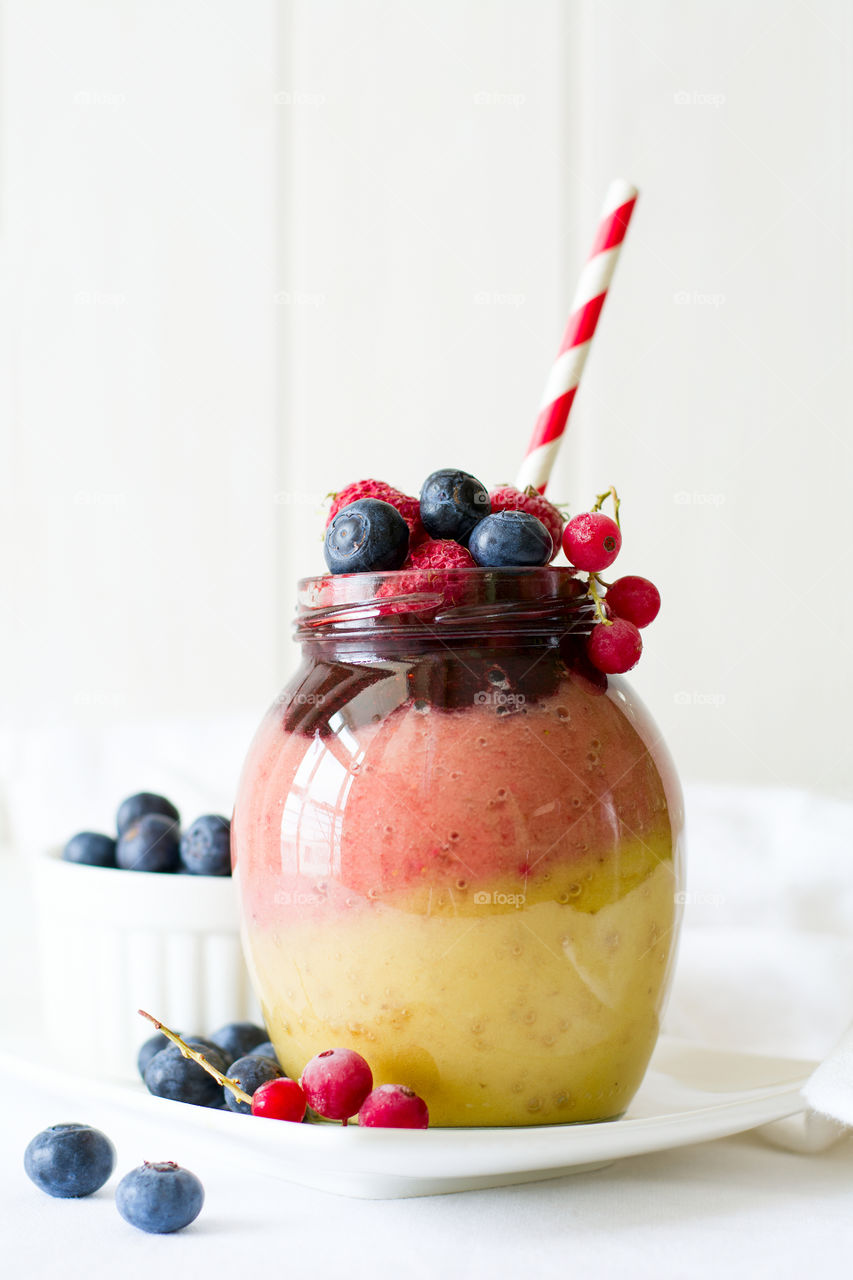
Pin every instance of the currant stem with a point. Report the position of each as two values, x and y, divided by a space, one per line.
188 1052
601 617
602 498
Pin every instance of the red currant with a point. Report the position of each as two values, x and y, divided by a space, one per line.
635 599
614 648
393 1106
336 1082
280 1100
592 541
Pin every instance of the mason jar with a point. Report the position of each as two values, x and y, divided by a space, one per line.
458 848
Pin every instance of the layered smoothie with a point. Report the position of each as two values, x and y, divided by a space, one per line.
461 861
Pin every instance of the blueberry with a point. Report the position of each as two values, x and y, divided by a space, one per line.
203 1043
158 1041
452 503
153 843
206 846
368 535
91 848
170 1075
249 1073
265 1050
136 807
70 1159
147 1050
159 1197
511 538
236 1039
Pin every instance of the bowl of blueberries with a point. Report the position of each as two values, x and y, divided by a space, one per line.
142 917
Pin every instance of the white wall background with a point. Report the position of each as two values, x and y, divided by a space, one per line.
251 251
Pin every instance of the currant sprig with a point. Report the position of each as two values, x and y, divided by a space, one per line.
592 541
188 1052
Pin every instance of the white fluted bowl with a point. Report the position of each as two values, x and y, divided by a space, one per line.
112 942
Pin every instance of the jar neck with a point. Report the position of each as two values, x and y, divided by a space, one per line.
410 610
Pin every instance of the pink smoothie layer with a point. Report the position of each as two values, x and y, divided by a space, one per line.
458 799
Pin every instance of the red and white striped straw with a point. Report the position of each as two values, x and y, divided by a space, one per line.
566 370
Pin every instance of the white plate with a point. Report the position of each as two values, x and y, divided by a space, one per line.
690 1094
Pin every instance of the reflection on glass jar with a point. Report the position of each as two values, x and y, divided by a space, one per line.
458 849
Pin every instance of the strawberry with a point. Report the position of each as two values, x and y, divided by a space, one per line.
508 498
409 508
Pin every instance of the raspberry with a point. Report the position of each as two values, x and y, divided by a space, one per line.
508 498
635 599
393 1106
592 541
439 553
409 508
614 648
336 1082
429 561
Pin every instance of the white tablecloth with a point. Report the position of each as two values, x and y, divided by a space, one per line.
766 963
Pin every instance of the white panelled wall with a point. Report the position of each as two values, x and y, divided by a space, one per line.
253 251
140 445
445 169
720 395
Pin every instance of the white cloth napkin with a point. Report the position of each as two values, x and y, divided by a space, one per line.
830 1090
766 959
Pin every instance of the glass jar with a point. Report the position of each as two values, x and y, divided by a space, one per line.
458 848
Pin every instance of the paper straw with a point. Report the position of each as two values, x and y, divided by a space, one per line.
562 384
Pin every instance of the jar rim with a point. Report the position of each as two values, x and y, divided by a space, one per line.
454 602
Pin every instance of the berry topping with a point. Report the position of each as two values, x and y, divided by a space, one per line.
336 1082
237 1039
614 647
152 843
170 1075
136 807
280 1100
206 846
439 553
250 1073
69 1160
508 498
91 848
427 567
511 538
159 1197
409 508
592 541
635 599
452 503
393 1106
366 535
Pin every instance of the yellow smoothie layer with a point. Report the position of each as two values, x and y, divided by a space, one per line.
496 1012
